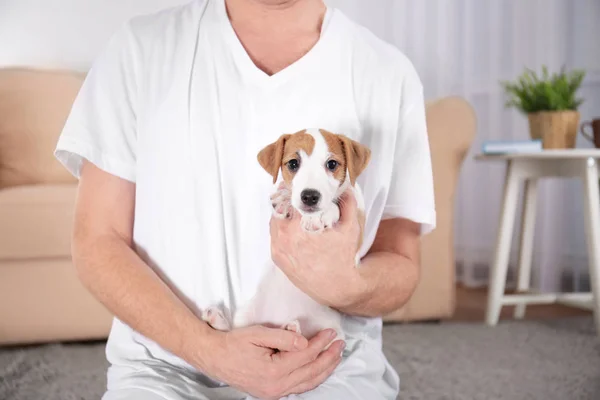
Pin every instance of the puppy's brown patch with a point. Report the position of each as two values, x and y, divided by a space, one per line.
299 141
355 155
350 154
336 148
278 153
270 156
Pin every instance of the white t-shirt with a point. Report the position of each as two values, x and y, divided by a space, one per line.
176 105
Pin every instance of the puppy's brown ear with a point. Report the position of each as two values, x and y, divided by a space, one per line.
271 156
357 157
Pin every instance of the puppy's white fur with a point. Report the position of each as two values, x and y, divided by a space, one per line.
278 302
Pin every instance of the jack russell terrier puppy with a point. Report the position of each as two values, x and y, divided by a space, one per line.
317 168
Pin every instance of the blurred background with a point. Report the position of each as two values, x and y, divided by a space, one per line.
460 48
466 47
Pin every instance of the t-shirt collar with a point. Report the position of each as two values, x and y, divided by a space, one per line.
247 67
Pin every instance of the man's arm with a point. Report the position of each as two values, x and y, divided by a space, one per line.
323 265
115 274
389 273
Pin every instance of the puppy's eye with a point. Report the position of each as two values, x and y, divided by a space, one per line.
293 165
332 165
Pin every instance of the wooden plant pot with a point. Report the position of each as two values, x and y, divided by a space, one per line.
556 129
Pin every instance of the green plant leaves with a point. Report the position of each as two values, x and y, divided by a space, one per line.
531 93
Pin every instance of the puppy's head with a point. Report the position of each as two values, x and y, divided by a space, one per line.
316 164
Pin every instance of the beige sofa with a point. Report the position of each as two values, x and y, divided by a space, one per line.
41 298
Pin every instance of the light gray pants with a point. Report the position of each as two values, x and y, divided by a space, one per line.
364 374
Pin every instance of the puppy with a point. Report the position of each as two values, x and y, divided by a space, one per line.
317 168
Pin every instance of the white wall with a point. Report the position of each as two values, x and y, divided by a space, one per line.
63 33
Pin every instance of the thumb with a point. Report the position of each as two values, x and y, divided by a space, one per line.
348 207
296 216
279 339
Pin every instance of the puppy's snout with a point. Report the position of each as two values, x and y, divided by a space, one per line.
310 197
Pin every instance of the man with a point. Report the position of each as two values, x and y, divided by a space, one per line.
173 209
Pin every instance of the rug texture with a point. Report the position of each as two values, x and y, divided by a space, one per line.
558 359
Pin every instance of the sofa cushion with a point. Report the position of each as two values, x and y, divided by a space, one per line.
34 106
36 221
44 301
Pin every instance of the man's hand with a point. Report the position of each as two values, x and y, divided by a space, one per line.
246 359
323 264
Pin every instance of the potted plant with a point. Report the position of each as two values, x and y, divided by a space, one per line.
550 103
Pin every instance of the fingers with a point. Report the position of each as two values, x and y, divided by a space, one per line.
315 346
280 339
348 208
274 226
296 216
277 225
313 383
317 371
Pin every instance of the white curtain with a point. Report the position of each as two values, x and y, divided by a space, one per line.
465 47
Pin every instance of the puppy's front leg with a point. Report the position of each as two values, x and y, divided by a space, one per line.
281 201
293 326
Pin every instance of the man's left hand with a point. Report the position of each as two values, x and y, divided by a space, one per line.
320 264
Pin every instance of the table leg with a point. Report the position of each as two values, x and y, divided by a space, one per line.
505 229
526 245
592 229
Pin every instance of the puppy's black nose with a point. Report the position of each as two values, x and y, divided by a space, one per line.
310 197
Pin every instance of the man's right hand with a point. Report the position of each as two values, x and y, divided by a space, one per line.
246 359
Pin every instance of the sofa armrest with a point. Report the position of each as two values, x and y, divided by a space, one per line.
451 124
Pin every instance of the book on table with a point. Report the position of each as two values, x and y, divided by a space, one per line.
511 146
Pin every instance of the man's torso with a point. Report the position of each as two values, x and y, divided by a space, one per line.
202 200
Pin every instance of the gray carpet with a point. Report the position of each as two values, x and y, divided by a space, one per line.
557 359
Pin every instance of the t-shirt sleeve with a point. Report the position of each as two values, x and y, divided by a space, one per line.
411 193
101 126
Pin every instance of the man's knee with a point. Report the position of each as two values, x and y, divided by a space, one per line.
131 394
355 389
163 384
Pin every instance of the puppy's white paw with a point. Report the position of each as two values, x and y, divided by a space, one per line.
215 317
312 223
330 216
293 326
281 201
316 223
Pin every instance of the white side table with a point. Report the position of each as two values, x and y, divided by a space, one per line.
529 167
